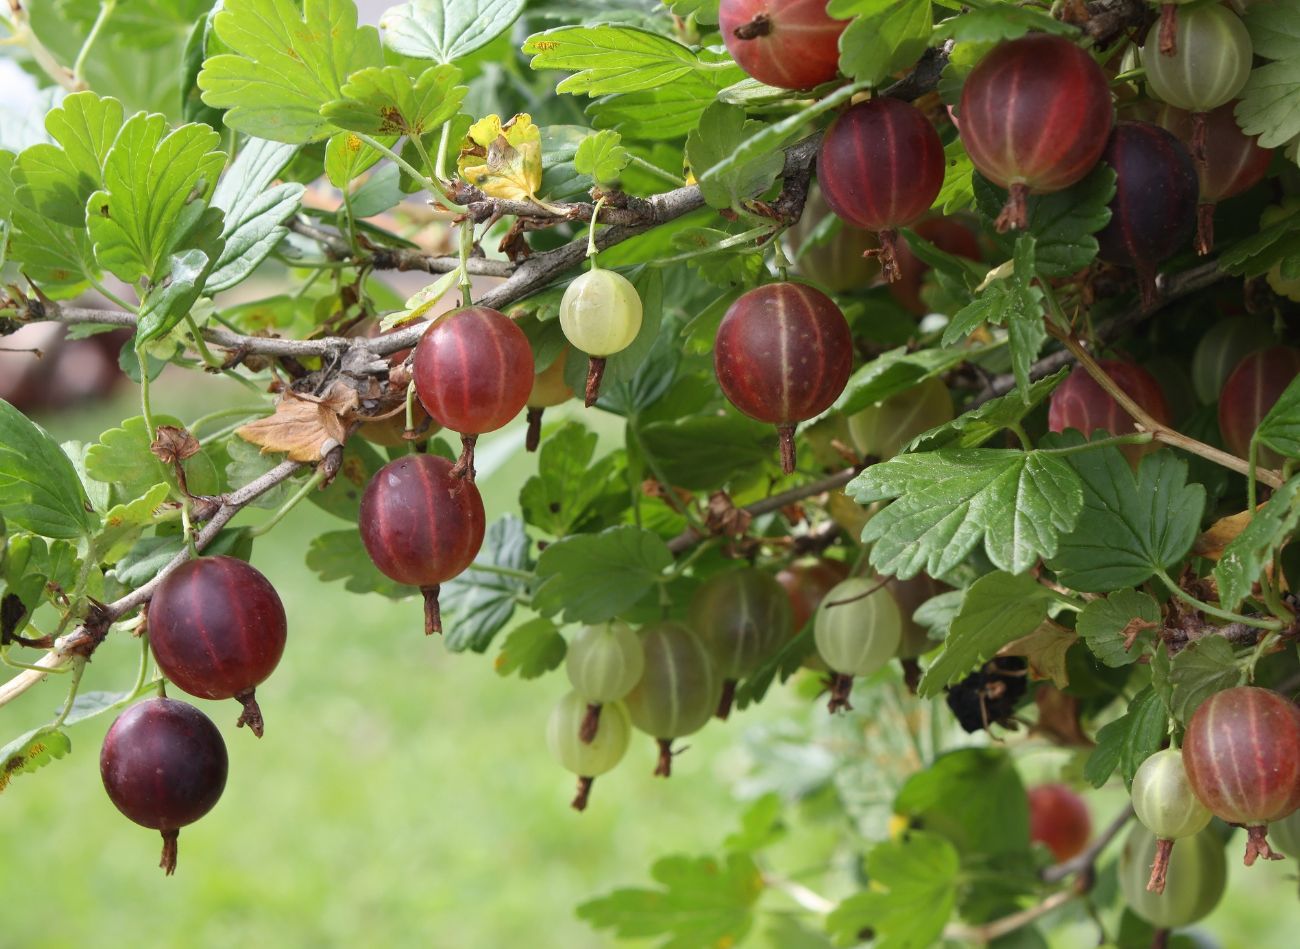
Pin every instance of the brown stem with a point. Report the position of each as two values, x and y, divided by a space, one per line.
534 436
664 767
911 674
1160 938
761 25
1160 866
1168 29
432 611
1204 228
169 851
728 696
840 686
595 372
785 434
1015 213
1198 142
1257 845
590 723
887 253
252 713
584 793
464 467
1146 274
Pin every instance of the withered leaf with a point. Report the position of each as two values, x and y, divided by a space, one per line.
303 427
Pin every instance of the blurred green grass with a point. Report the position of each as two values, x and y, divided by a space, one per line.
402 796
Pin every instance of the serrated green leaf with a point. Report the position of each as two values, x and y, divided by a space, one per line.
1248 554
1133 524
124 523
1129 740
150 554
1202 668
663 113
248 463
446 30
287 62
39 488
122 457
532 650
999 22
560 496
1270 244
1269 106
893 372
1280 428
974 798
701 452
760 825
589 578
477 605
912 896
608 58
974 428
958 191
183 278
601 157
32 751
1018 503
385 101
254 210
347 157
60 178
58 258
997 609
1106 623
340 555
723 129
884 37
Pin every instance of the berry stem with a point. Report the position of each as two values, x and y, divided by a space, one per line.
432 612
840 686
1160 866
1204 228
664 767
464 467
786 435
534 436
1257 845
169 851
761 25
1168 29
592 250
252 713
886 253
584 793
728 696
595 373
1015 213
590 723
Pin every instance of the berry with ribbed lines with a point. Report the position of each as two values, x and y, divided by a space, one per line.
1164 803
791 44
600 314
604 663
217 630
164 766
1197 874
857 629
1153 212
881 166
1034 116
783 354
1232 161
1080 403
882 430
1251 390
421 525
473 373
1242 755
678 691
743 616
587 757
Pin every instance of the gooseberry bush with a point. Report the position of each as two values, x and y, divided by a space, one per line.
905 382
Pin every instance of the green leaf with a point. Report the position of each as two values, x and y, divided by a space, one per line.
183 278
974 428
254 210
607 58
32 751
722 130
957 192
58 258
884 37
1249 553
1129 740
385 101
1270 244
248 463
122 457
699 902
446 30
1269 106
124 523
973 797
1275 29
1203 667
997 609
150 554
1062 223
701 452
347 157
39 488
760 825
1132 525
157 184
1125 614
477 605
532 650
1018 503
779 667
287 62
1280 428
60 178
340 555
589 578
663 113
999 22
912 895
601 157
560 496
893 372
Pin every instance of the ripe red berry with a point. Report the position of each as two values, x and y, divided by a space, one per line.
945 233
217 630
880 167
1080 403
1034 116
1059 819
164 766
1250 392
421 525
792 44
1153 212
783 354
473 373
1242 755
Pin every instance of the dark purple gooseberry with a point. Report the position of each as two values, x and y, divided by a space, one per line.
164 766
1153 213
422 525
217 630
881 166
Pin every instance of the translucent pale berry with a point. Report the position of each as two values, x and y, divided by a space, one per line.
1198 874
587 758
679 687
604 663
831 253
600 314
857 630
1164 803
881 430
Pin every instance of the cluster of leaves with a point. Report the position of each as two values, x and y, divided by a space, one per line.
1110 580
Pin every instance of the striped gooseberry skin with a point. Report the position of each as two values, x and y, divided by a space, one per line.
1035 112
1210 62
791 44
1081 404
883 429
783 354
857 630
743 616
217 628
1153 212
1248 394
421 524
473 370
1242 755
679 687
604 662
1222 347
1163 801
587 756
164 765
1198 875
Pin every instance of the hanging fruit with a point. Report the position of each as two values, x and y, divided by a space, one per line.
791 44
549 389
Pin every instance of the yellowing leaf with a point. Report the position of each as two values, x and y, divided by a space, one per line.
503 161
1045 648
1220 534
